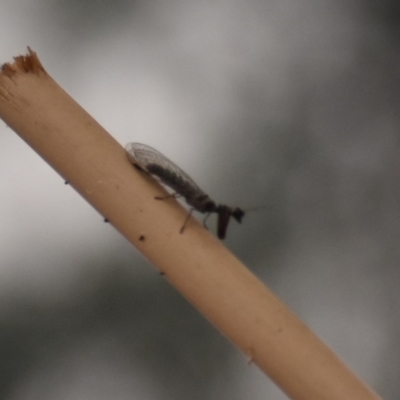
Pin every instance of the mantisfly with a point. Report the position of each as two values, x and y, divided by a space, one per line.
153 162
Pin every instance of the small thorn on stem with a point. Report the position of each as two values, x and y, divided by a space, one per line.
250 358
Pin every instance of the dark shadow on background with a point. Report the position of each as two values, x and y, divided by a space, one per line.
180 352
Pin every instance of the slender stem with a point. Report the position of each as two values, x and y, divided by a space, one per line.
195 262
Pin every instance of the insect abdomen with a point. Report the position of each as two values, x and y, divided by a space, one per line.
193 195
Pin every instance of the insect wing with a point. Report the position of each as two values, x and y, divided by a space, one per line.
143 156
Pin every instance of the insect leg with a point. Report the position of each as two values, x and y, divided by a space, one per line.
186 220
205 219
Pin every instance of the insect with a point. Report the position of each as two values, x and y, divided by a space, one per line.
152 161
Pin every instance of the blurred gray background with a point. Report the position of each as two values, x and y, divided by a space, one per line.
287 105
